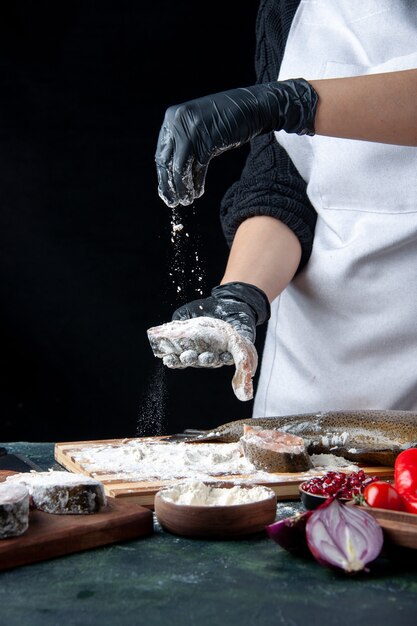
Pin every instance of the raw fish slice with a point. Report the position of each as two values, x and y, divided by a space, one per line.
206 342
274 450
61 493
14 510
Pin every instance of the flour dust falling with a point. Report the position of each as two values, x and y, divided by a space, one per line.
152 413
185 271
186 278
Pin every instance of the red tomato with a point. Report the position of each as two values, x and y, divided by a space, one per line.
405 477
383 495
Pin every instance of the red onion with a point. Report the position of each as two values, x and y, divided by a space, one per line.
343 536
290 533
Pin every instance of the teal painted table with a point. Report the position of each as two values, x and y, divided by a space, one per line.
164 579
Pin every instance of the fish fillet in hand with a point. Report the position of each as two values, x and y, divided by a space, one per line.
206 342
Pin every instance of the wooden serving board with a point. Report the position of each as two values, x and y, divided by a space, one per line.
284 485
50 536
399 528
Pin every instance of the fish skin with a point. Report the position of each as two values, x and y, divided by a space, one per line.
369 437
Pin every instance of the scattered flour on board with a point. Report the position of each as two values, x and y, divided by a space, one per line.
147 460
330 461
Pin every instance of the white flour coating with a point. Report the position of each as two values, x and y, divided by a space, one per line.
14 510
10 494
146 461
52 491
53 478
334 439
197 493
205 340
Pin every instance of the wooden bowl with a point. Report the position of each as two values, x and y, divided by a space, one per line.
230 521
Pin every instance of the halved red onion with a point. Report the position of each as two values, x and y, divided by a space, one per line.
290 533
343 536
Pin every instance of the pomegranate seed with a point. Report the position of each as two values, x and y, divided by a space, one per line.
338 483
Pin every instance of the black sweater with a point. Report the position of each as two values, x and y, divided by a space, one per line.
270 184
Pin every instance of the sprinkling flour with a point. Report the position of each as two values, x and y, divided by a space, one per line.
197 493
182 273
152 411
145 460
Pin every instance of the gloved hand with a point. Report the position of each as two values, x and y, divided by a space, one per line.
244 306
194 132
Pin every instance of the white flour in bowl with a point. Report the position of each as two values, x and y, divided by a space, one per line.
197 493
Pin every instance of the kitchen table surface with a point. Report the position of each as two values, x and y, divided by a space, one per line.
166 579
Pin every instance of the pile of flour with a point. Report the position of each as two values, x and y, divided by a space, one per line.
197 493
146 460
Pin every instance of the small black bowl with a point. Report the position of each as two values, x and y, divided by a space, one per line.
311 501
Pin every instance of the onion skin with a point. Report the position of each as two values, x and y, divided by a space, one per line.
343 537
290 533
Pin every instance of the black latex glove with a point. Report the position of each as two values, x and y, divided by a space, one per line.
244 306
194 132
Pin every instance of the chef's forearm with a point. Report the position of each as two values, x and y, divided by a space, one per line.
265 253
375 107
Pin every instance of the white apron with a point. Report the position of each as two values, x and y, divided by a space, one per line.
344 333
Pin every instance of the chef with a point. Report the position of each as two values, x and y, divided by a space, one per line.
323 221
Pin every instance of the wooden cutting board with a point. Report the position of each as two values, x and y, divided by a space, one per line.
50 536
399 528
284 485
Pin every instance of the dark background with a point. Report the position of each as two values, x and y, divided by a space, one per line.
85 250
